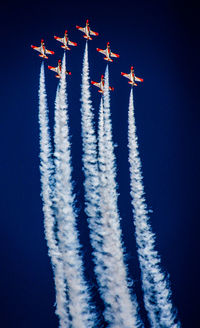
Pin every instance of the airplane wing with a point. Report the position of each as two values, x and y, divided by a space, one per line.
82 29
138 79
96 84
102 51
126 75
59 39
54 69
36 48
49 52
112 54
93 33
70 43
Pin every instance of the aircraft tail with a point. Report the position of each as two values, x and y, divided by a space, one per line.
108 59
65 47
133 83
87 37
43 56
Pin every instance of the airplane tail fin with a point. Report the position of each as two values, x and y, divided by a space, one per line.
43 56
108 59
65 47
133 83
87 37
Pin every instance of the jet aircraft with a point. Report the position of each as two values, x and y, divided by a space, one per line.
87 31
100 85
66 42
58 70
107 52
43 51
131 76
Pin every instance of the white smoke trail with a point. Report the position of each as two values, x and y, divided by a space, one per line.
90 164
90 168
46 169
121 309
155 286
104 230
80 313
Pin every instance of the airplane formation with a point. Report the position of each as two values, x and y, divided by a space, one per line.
87 35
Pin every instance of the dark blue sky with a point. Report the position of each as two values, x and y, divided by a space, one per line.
160 38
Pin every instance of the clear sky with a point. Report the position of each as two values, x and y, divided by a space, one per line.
160 39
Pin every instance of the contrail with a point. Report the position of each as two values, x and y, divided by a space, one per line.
90 168
80 313
121 306
157 294
46 170
103 224
90 163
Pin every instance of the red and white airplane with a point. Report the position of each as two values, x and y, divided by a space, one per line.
87 31
43 50
58 70
100 85
65 40
131 76
107 52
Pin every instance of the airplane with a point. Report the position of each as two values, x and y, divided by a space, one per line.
58 70
43 50
87 31
107 52
131 76
101 85
65 41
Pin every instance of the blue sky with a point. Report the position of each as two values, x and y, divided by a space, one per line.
161 40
